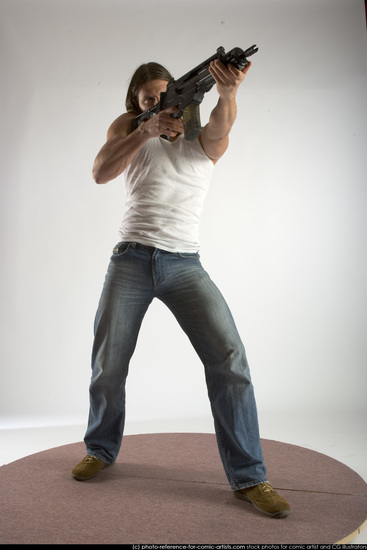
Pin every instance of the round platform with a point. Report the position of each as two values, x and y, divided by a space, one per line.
171 489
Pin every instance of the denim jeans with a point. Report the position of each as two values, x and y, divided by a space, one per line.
137 274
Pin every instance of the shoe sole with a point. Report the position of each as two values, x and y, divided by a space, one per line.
277 515
85 478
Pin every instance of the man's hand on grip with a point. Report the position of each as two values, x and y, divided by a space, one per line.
164 123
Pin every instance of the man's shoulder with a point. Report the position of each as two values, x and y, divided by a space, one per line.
121 125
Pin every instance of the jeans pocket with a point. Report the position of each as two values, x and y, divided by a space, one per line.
189 255
121 249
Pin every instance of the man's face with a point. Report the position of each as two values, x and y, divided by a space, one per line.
150 92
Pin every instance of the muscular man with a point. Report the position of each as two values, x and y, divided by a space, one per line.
157 257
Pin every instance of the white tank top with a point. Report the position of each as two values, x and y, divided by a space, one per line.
166 185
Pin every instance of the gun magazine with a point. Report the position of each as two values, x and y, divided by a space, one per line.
191 121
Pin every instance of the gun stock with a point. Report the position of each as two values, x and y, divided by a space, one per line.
188 92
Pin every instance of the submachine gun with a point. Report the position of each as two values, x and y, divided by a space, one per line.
187 92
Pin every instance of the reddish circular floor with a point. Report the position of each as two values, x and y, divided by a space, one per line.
171 489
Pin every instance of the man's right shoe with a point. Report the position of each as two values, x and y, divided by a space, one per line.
89 467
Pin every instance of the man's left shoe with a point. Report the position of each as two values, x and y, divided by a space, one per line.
265 499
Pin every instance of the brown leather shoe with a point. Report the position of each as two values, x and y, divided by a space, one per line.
88 468
265 499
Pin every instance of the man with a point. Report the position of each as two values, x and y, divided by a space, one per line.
157 257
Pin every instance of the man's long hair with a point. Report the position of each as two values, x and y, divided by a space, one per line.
144 73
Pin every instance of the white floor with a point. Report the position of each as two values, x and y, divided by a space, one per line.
341 437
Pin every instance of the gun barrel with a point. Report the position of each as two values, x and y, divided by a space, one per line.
236 56
251 51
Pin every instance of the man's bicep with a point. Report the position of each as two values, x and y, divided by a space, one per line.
214 149
121 127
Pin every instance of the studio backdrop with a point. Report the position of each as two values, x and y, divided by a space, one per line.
284 226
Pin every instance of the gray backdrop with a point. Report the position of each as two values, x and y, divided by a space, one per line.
284 226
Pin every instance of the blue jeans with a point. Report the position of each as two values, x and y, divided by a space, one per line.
135 276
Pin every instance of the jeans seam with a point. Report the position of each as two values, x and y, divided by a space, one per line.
227 468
